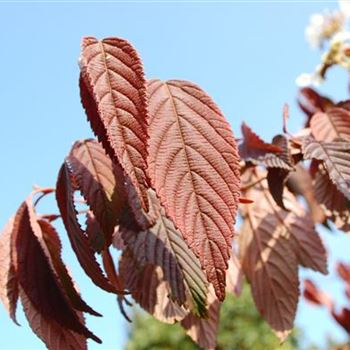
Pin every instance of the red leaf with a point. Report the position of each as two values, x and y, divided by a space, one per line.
37 279
100 182
194 167
109 267
343 318
344 272
277 176
245 201
334 203
50 332
8 276
94 233
52 244
253 148
300 183
234 276
204 331
331 125
148 287
336 159
79 242
273 242
316 296
114 78
311 102
163 245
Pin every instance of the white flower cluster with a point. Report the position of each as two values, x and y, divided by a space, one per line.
328 27
323 26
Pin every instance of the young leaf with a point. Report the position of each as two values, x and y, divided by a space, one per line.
37 279
50 332
100 182
194 167
331 125
204 331
149 289
316 296
336 158
163 245
8 276
272 244
77 237
344 272
310 102
255 150
114 78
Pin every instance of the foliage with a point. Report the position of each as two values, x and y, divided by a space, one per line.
241 327
163 183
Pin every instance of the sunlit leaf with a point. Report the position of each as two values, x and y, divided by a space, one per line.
147 286
273 242
193 165
77 237
331 125
336 158
100 182
112 75
163 245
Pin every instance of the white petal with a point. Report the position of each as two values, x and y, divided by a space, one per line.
304 79
341 37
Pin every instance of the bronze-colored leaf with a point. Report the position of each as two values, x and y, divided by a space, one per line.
194 167
310 102
163 245
101 182
256 151
273 242
149 289
277 176
204 331
336 206
51 243
331 125
8 276
37 279
336 158
300 183
112 76
50 332
77 237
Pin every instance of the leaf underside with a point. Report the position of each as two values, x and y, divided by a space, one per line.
331 125
273 242
204 331
336 159
100 182
77 237
112 75
148 287
193 165
36 277
163 245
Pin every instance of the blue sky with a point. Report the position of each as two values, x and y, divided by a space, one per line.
245 55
